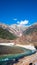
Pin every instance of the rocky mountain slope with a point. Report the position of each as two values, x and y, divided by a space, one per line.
32 29
29 36
18 29
12 29
5 34
31 33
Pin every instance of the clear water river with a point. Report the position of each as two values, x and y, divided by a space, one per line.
11 53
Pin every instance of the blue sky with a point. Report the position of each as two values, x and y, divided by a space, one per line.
18 11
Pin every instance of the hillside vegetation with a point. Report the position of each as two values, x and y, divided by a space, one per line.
30 30
5 34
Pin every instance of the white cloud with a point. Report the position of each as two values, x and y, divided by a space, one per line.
15 19
23 22
20 23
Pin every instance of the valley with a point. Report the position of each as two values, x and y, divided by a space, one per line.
20 38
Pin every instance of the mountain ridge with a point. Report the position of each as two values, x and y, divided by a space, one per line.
5 34
29 35
13 29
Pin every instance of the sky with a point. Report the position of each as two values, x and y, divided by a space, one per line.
22 12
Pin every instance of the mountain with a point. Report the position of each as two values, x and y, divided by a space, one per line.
19 35
14 28
5 34
29 36
11 29
18 29
32 29
9 33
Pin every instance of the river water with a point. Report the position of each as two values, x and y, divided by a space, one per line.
10 59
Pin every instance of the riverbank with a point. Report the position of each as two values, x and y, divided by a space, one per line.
31 47
28 59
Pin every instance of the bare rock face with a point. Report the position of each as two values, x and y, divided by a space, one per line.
29 36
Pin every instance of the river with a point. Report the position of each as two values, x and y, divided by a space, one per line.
12 56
